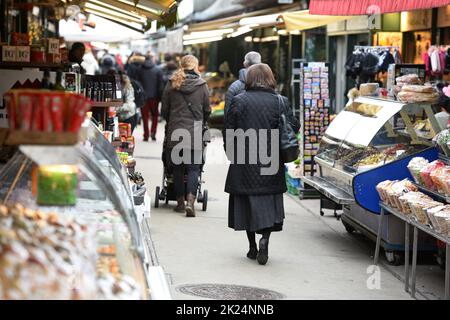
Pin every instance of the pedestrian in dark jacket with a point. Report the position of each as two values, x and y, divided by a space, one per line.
151 78
256 199
185 105
238 86
134 65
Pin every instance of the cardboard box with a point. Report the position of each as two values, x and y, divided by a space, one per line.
9 53
23 54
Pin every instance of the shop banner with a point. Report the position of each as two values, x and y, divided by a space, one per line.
351 7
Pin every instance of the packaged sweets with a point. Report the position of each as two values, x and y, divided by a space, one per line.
415 166
426 171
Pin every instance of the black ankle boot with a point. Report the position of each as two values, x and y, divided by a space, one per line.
263 253
252 253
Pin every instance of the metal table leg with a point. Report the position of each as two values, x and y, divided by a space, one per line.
447 272
406 256
414 264
380 229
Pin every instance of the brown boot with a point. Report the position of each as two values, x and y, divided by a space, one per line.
190 207
181 207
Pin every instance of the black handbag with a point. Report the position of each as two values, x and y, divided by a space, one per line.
205 129
289 147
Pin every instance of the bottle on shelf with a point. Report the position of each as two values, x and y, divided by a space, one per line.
58 83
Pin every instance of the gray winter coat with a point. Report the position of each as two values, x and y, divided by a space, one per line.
175 109
235 88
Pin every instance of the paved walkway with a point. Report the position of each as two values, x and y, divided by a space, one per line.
313 258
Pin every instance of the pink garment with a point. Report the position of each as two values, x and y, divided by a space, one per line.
442 60
427 62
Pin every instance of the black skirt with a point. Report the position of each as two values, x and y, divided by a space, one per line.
256 213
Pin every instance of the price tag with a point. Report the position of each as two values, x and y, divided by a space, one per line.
9 53
23 54
53 46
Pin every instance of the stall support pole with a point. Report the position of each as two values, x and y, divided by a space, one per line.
447 272
377 247
414 263
406 256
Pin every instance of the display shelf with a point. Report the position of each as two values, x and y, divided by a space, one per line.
417 226
329 190
433 193
31 65
413 221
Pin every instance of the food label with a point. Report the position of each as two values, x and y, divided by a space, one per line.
23 54
9 53
53 46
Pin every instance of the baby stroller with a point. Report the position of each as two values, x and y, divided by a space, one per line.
167 191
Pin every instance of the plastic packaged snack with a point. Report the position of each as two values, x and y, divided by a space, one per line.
426 171
439 176
415 166
418 88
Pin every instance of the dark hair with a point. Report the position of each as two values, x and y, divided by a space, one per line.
168 57
77 45
444 102
260 76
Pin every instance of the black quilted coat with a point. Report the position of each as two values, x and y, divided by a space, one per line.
256 108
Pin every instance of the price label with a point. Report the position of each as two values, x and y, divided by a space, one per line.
9 53
53 46
23 54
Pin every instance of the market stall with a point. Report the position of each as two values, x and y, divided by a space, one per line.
372 140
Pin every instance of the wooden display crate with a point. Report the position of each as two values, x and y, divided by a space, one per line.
19 137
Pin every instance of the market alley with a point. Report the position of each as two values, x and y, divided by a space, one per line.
313 258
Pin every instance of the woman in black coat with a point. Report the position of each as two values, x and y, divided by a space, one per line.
256 198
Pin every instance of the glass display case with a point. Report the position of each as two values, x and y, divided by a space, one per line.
103 207
371 132
370 141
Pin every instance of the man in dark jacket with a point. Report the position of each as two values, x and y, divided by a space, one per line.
151 78
134 65
238 86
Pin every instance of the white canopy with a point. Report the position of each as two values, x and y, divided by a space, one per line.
104 31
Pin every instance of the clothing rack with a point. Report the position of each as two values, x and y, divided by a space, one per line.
376 47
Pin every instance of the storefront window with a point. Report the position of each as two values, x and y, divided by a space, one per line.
316 45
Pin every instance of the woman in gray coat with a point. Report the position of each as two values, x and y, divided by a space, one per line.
185 106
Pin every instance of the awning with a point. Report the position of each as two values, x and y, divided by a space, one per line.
104 31
234 21
129 12
364 7
303 20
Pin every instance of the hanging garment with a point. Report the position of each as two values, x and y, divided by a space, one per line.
385 60
435 62
370 64
397 57
353 65
427 61
447 61
441 61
